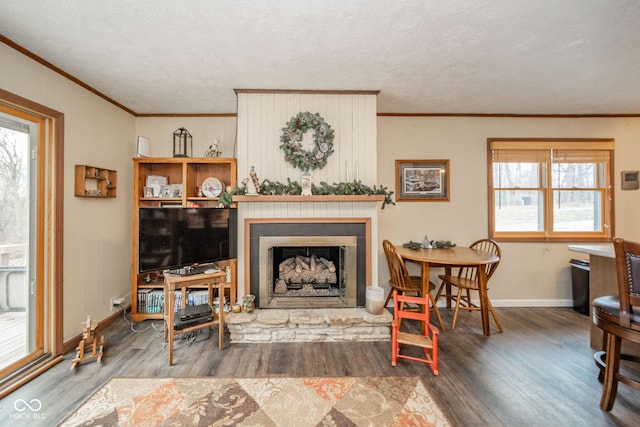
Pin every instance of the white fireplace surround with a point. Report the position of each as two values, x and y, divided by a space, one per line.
261 116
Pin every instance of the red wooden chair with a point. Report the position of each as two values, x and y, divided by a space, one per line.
427 341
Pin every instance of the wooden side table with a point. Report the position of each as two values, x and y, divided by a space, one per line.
174 283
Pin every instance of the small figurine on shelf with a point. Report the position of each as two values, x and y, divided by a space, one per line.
250 189
252 184
214 150
254 178
248 303
426 244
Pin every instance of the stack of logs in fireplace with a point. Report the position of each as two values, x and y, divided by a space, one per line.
298 270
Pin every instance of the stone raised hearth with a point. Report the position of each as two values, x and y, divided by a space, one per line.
308 325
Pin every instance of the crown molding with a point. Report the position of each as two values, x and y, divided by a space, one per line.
63 73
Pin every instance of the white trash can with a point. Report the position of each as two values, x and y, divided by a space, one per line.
374 300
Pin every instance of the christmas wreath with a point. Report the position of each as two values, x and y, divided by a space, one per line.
291 141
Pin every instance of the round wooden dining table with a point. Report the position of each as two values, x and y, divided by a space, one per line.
457 256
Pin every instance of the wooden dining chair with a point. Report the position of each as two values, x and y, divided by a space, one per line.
427 341
619 318
466 281
405 284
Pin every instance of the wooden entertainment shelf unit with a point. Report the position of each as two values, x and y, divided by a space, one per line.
190 173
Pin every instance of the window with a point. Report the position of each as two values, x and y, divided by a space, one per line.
550 189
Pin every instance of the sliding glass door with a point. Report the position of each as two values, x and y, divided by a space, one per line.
21 299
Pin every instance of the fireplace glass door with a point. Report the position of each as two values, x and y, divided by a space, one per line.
307 271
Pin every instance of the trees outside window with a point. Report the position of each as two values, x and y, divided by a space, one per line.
14 146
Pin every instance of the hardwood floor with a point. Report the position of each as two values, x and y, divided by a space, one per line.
539 372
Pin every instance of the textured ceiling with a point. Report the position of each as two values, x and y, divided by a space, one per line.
424 56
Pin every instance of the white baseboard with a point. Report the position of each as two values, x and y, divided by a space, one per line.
532 303
523 302
519 303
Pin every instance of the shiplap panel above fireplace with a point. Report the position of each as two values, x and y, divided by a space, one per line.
262 115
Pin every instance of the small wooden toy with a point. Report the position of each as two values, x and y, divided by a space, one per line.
89 338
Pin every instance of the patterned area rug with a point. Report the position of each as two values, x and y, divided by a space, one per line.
345 401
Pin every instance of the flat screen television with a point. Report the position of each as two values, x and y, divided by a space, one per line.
173 238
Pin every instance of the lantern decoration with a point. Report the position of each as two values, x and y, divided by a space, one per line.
182 143
306 182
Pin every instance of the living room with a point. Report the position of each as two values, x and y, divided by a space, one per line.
96 237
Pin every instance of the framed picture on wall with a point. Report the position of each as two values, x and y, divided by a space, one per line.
422 180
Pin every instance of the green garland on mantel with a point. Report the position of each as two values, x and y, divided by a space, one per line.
293 188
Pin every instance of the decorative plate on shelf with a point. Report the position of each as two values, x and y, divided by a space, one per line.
211 187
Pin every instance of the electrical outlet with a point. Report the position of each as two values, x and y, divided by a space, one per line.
116 302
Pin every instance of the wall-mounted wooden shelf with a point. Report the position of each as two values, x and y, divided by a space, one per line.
95 182
324 198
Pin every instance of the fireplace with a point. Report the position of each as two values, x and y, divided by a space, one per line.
308 271
308 264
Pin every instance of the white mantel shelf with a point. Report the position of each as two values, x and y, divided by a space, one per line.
298 198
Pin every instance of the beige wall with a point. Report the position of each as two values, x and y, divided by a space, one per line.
535 274
529 273
97 237
97 232
204 131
